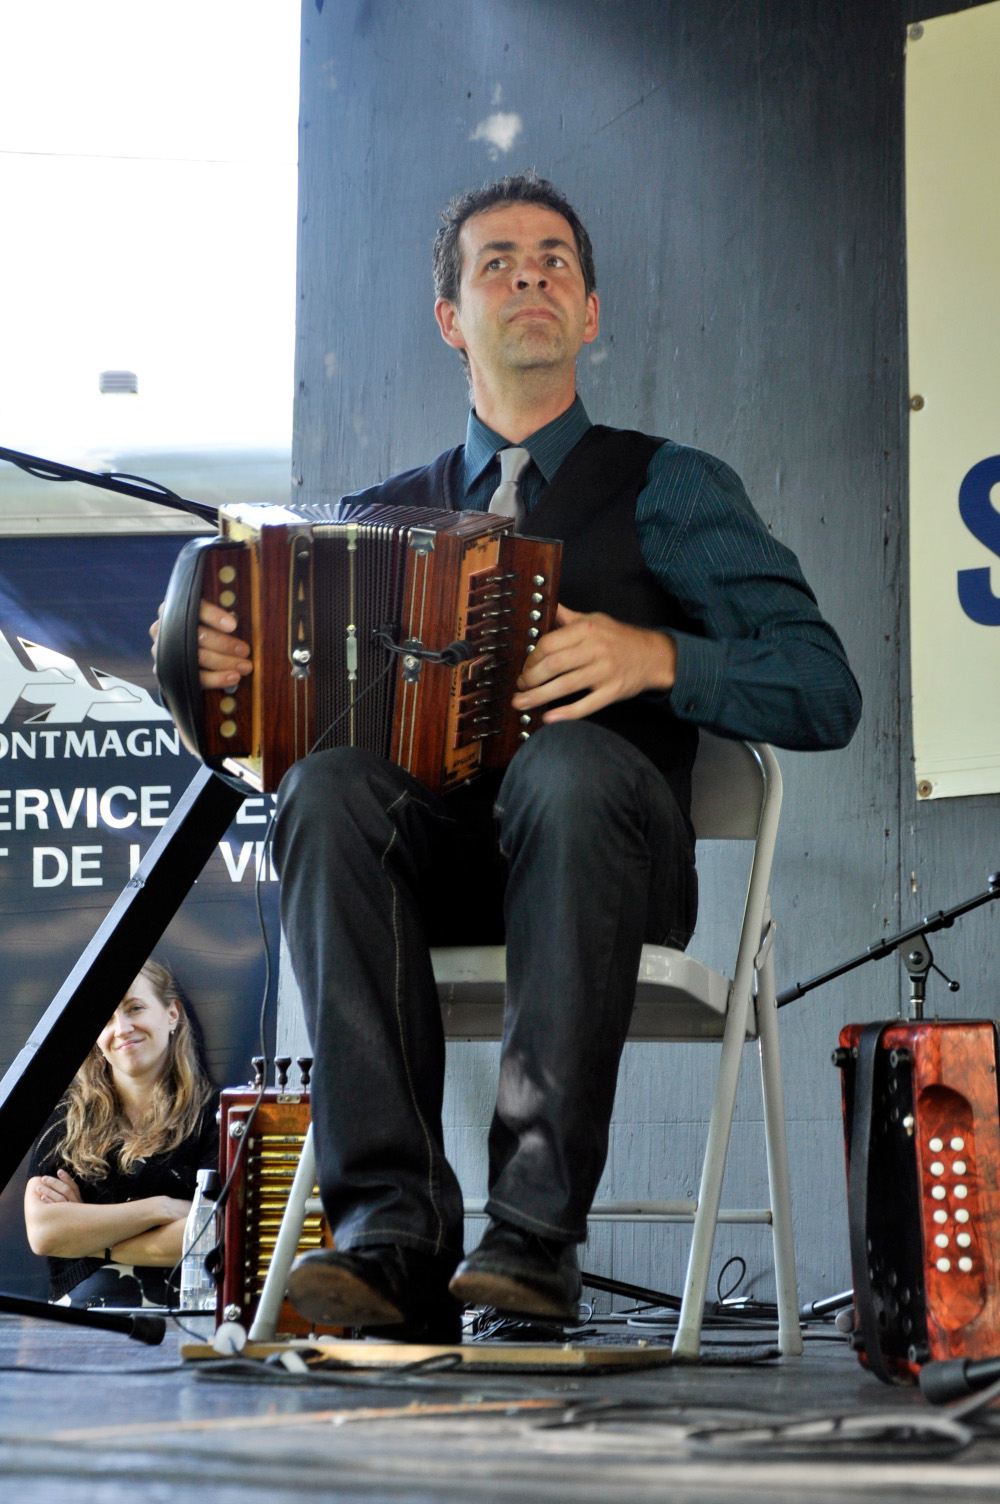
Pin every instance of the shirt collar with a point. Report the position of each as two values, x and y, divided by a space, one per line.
548 446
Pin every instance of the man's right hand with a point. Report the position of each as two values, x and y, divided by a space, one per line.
223 659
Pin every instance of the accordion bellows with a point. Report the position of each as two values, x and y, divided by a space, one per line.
347 609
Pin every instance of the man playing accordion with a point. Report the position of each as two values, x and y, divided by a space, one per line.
678 609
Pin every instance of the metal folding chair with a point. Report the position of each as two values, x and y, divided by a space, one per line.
736 796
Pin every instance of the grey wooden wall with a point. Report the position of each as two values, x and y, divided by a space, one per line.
740 169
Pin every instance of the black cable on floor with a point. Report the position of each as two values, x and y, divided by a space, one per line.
108 1371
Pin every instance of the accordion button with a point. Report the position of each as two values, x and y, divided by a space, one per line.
936 1145
964 1240
227 704
537 598
961 1191
941 1240
944 1265
965 1265
534 616
959 1167
227 728
524 735
961 1215
525 720
940 1215
227 598
957 1143
938 1192
937 1168
538 579
227 574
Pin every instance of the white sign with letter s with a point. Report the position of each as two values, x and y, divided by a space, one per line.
953 276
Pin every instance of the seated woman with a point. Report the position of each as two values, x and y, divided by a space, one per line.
113 1171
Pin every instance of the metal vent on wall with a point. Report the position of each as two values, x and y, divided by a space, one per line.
119 381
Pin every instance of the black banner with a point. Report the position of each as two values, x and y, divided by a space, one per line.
90 768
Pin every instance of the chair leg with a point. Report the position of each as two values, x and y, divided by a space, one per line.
265 1322
789 1330
687 1342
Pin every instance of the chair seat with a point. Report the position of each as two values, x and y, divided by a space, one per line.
677 997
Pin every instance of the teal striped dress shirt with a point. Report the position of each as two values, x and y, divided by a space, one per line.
768 666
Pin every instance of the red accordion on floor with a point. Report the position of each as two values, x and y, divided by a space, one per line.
922 1131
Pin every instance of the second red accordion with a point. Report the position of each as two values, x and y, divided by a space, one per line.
922 1132
260 1138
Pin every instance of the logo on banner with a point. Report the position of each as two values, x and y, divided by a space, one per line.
58 685
61 695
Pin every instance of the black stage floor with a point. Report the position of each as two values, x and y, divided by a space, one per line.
97 1418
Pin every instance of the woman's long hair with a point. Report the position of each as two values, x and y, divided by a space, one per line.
95 1125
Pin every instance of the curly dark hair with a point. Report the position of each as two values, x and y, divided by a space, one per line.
519 188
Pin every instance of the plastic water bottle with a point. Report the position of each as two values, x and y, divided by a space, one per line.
198 1290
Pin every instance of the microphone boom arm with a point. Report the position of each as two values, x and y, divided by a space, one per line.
942 920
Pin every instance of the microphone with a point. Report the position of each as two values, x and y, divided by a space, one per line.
453 653
827 1306
457 652
950 1378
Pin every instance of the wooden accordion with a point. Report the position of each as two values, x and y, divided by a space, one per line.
922 1134
396 629
267 1143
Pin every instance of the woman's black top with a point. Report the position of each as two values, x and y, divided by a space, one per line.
170 1174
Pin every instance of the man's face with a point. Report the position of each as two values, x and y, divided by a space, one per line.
522 304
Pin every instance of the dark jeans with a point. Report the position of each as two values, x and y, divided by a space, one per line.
595 857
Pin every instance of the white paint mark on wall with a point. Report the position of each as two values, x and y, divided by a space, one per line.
500 131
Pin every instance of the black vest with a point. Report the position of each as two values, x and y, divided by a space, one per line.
590 505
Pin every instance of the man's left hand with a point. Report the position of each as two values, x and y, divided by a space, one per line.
593 652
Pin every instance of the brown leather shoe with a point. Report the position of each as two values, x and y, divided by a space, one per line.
521 1274
398 1293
